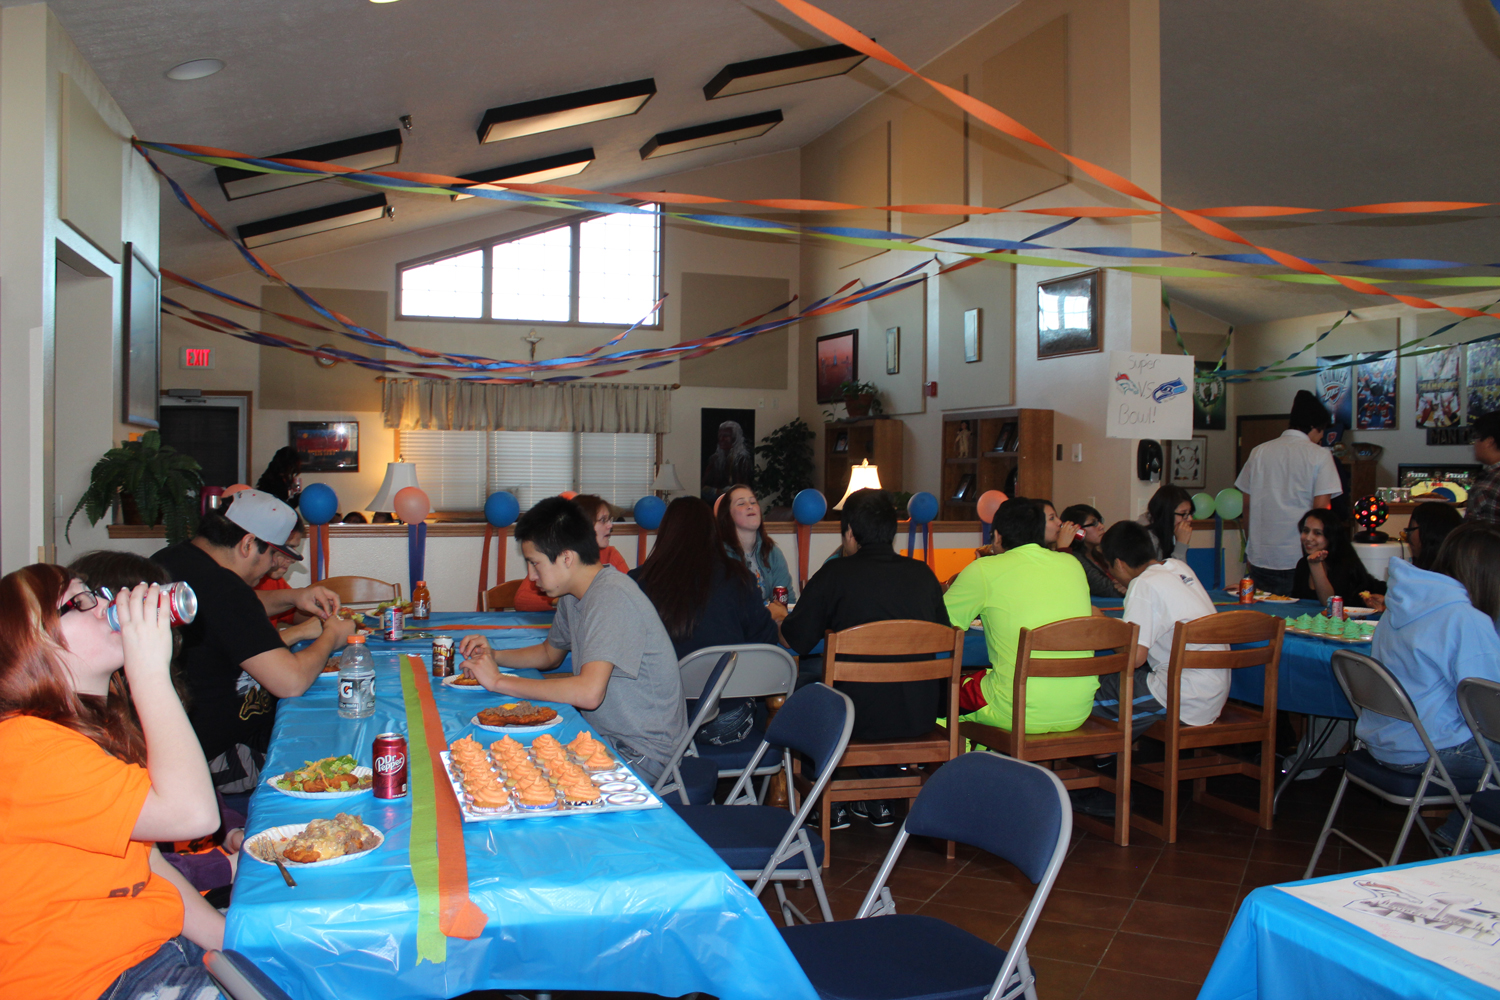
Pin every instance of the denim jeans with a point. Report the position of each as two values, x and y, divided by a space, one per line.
1463 761
1272 581
175 972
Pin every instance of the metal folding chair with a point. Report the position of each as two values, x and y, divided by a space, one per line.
760 671
1371 687
693 778
1479 700
1014 809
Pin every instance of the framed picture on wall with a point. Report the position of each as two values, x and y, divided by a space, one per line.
971 336
325 445
838 362
1187 463
893 351
141 318
727 450
1068 316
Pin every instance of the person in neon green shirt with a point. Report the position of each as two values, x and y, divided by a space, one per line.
1025 586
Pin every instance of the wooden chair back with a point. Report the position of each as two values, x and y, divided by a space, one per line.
922 641
1226 627
503 597
358 590
1088 634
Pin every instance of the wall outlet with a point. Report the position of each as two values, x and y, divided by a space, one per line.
1078 453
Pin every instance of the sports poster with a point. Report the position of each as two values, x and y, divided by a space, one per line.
1484 379
1437 388
1375 391
1210 399
1336 389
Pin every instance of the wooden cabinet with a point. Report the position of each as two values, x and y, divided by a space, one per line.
1009 450
846 443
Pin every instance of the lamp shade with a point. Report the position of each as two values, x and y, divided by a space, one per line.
863 476
666 480
398 476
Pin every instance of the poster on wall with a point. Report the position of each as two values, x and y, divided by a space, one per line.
1149 396
1210 399
325 445
1187 464
1375 391
1483 370
837 363
727 447
1336 389
1437 388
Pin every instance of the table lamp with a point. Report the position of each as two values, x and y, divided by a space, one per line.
398 476
863 476
1370 513
666 481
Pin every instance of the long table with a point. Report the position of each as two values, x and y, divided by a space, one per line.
628 902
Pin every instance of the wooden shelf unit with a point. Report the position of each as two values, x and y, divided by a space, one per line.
878 438
1027 437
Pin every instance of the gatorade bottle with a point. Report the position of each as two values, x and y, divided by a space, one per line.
356 680
421 601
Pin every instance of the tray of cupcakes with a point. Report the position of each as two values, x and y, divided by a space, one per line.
509 780
1339 630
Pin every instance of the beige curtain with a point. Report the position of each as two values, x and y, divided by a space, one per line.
609 408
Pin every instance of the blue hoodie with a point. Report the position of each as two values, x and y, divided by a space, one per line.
1431 638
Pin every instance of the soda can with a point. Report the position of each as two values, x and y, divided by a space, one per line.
779 595
1247 591
442 656
182 604
390 766
1336 608
393 624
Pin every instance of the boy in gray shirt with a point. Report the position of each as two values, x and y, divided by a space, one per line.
625 677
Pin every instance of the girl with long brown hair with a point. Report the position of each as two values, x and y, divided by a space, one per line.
744 533
92 909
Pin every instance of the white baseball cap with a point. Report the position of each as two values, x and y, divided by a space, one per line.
265 517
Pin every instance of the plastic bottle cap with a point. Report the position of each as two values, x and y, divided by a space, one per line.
356 638
421 583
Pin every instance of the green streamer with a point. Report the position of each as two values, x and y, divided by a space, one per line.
432 945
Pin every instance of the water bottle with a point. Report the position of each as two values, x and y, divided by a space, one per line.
356 680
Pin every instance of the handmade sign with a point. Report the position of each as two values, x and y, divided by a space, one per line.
1149 396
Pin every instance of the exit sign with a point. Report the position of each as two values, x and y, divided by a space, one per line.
197 357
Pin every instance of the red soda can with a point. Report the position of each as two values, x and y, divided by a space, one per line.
1247 591
778 594
390 766
1336 608
393 624
182 604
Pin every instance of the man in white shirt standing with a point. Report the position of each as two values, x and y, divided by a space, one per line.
1282 480
1160 594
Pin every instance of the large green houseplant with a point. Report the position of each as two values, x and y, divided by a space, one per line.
788 455
163 483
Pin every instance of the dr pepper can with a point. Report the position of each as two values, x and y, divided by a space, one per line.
390 766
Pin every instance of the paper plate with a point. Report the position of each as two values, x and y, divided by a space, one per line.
1273 599
266 838
451 683
362 772
517 729
1359 612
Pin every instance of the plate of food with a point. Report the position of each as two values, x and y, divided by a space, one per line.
330 670
517 717
329 778
1358 612
315 844
463 682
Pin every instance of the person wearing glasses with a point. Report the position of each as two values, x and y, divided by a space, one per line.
1082 518
596 509
1169 521
91 907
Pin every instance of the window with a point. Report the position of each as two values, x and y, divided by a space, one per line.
603 270
459 469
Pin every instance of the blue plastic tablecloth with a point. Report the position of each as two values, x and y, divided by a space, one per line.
1283 948
627 901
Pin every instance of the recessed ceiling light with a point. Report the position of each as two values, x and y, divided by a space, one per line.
713 134
778 71
195 69
365 152
315 220
533 171
531 117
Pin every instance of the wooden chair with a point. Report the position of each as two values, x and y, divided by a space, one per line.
1096 735
1236 723
922 641
362 590
503 597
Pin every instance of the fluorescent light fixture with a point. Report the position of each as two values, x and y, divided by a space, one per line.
778 71
363 153
314 220
195 69
549 113
712 134
534 171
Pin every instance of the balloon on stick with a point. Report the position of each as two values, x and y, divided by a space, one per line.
501 509
648 511
808 508
922 508
1203 506
318 503
1229 503
989 502
412 506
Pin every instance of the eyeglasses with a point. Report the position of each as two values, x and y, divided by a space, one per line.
604 519
85 600
1182 513
1091 524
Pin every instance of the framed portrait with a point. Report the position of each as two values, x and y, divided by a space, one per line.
727 449
1187 463
1068 316
971 336
141 317
325 445
838 362
893 351
841 442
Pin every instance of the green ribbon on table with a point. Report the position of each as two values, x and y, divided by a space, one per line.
431 942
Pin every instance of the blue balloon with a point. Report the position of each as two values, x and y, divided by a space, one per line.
809 506
318 503
502 509
649 511
923 507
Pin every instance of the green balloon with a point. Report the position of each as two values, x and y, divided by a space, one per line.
1203 506
1230 503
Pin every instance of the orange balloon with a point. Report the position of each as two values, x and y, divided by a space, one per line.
230 491
411 505
567 494
989 502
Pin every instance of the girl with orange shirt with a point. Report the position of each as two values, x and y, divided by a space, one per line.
92 909
596 509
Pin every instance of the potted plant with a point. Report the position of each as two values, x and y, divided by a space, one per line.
161 483
788 456
860 398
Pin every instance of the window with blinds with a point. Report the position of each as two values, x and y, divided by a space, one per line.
450 466
618 467
532 464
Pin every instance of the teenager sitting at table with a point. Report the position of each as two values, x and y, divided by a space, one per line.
744 534
1169 520
625 677
596 509
1429 525
1439 627
1329 565
1082 517
1159 594
292 631
1024 586
705 598
91 907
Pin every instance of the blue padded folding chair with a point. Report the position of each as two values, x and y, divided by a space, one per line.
239 978
1479 700
1014 809
765 844
761 671
1371 687
693 778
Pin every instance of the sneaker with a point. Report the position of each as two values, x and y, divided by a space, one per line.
877 813
840 819
1095 802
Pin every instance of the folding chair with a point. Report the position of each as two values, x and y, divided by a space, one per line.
760 671
1236 723
693 778
1096 735
923 643
239 978
767 844
1013 809
1371 687
1479 700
